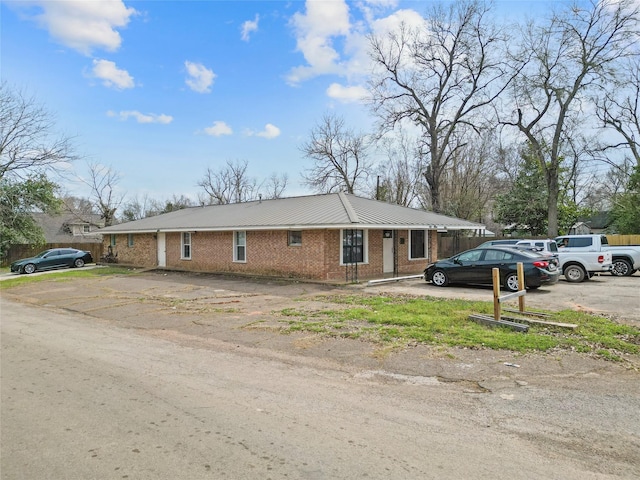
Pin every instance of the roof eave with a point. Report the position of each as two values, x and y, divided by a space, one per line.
301 227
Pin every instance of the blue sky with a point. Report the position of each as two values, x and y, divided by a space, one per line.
161 90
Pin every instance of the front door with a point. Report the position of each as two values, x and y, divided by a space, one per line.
162 250
387 253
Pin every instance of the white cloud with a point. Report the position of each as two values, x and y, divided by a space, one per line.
218 129
315 31
270 131
334 43
248 27
84 25
112 76
410 18
347 94
200 77
141 117
382 3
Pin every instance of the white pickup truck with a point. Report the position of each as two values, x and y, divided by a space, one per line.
625 259
581 256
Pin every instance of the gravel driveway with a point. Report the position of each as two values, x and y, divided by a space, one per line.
618 297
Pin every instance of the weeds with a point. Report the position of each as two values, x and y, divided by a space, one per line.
436 321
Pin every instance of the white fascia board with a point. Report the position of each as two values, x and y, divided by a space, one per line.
300 227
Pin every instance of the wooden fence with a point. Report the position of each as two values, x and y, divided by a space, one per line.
450 246
16 252
623 239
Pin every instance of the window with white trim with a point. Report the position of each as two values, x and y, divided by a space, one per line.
417 244
354 246
240 246
130 239
186 246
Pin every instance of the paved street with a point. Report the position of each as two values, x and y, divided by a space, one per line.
82 399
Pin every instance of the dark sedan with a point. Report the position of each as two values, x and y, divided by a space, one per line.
475 267
53 258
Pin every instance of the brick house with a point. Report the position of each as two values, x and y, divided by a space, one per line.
338 237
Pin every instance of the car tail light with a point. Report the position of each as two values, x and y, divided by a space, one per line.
541 264
600 258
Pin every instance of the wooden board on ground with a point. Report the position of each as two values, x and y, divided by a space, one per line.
491 322
540 322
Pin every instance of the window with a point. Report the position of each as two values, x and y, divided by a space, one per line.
186 246
130 239
86 228
579 242
498 255
295 238
353 246
471 256
112 241
240 247
418 245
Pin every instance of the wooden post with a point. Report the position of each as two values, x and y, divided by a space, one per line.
496 293
521 286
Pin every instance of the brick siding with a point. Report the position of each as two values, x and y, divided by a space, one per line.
268 253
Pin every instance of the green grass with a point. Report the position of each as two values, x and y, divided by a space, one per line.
66 274
435 321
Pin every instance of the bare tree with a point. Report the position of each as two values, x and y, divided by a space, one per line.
339 157
471 182
400 172
176 202
603 189
619 110
78 205
230 184
27 143
560 63
137 208
103 182
275 186
440 77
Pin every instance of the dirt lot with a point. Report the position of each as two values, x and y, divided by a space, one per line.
196 309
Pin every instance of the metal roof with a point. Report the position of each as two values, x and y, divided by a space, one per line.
333 210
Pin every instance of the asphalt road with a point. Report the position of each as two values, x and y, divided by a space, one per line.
87 400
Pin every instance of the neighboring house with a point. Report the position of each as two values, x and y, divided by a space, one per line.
70 227
579 228
323 237
597 223
73 230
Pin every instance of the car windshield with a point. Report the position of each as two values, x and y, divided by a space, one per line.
42 254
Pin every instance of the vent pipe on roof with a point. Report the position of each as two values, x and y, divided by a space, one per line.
259 198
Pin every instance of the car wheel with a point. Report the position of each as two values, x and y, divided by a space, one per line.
78 263
574 274
29 268
511 282
439 278
621 268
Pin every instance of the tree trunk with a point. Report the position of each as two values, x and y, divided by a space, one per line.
553 189
431 176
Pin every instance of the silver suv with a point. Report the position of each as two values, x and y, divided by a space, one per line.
548 248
